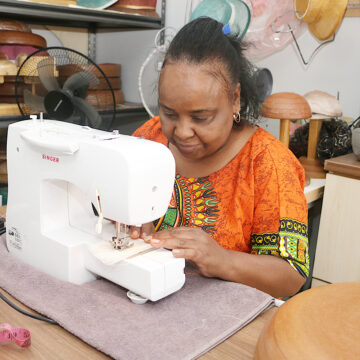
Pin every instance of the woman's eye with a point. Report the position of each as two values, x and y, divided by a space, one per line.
199 118
170 115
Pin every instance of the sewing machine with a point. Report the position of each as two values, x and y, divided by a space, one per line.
61 176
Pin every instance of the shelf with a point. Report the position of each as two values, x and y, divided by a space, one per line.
124 112
38 13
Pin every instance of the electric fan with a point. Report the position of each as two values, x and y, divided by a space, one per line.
60 80
150 72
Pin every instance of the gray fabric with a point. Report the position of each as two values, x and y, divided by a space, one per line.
182 326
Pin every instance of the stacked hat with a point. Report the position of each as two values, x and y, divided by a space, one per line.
322 16
323 105
233 14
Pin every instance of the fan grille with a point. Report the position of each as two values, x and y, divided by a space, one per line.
57 65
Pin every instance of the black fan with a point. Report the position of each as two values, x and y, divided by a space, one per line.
57 82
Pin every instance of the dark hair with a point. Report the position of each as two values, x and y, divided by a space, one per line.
202 40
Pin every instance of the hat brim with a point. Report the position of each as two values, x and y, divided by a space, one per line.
325 27
316 116
95 4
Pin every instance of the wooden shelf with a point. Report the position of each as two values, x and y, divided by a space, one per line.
38 13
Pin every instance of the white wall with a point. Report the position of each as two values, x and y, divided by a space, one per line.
336 67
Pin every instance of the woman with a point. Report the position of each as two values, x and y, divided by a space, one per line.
238 210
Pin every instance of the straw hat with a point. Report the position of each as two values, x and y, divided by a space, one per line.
323 105
323 16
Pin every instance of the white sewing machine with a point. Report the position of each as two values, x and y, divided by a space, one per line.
56 171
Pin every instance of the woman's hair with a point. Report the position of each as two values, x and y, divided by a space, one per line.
202 41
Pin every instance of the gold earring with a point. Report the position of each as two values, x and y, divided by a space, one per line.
237 118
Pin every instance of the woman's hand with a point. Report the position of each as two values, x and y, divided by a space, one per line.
144 232
195 245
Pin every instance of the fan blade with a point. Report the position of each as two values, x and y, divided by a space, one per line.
92 115
79 80
46 69
34 102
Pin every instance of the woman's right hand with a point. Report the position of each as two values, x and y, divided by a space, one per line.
144 232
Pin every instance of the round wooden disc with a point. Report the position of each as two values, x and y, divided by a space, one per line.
322 323
110 70
104 97
286 105
21 38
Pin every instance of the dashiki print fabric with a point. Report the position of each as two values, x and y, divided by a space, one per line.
254 204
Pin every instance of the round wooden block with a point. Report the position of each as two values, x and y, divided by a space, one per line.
9 109
104 97
7 67
286 105
13 25
3 179
115 83
9 99
3 167
322 323
21 38
8 88
110 70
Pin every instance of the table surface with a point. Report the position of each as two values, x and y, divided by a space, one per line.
52 342
346 165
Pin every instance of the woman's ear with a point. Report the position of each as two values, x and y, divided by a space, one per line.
236 99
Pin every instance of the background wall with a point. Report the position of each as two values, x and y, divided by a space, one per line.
335 68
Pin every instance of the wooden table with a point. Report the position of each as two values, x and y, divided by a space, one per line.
52 342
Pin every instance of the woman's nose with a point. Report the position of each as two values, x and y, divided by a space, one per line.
184 129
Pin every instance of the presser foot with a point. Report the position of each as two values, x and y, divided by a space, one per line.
121 243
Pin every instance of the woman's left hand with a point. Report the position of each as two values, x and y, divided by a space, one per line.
195 245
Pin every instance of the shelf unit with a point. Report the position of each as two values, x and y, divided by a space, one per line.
66 16
38 13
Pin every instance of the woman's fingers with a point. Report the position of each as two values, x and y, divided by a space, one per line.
135 232
170 242
189 254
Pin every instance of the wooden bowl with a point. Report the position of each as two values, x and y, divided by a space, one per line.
286 105
322 323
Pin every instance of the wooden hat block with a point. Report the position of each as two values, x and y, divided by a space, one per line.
312 165
286 106
322 323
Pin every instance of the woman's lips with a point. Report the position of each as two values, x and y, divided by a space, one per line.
186 148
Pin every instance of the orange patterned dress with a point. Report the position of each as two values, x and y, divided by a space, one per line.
255 204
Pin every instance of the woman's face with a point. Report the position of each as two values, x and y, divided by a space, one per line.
196 108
